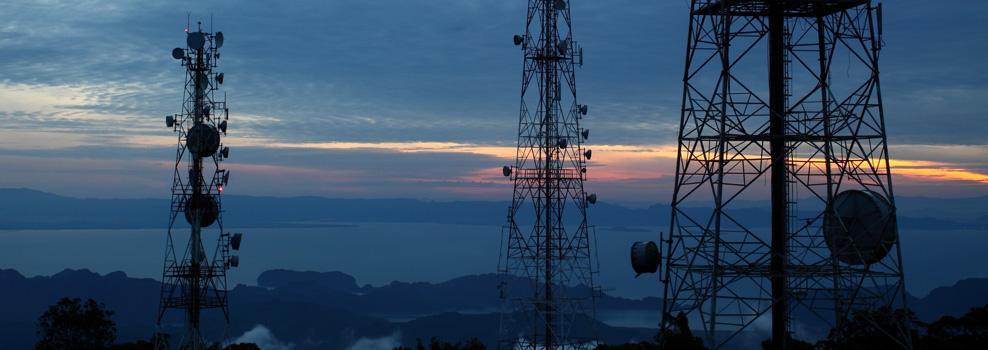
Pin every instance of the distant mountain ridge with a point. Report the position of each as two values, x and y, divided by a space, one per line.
327 310
30 209
314 310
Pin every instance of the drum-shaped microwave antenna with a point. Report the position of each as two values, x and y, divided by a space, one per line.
196 40
204 207
518 39
235 241
203 140
178 53
506 170
645 257
860 227
219 39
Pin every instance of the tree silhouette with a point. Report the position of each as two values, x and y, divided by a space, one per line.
871 329
436 344
952 333
71 324
791 344
678 337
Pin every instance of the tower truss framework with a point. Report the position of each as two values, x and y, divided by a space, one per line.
546 255
781 101
193 279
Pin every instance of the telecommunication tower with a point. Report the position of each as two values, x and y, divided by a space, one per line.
807 132
194 280
546 259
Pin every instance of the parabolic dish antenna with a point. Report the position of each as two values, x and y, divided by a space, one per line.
205 207
560 5
178 53
203 140
196 40
860 227
219 39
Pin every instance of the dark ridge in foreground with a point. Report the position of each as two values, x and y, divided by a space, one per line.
320 310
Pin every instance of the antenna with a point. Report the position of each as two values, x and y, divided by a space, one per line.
192 280
829 246
548 266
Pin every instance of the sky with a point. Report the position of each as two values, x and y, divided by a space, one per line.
419 99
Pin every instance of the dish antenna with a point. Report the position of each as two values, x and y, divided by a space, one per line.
219 39
645 257
592 198
563 46
586 133
506 170
178 53
560 5
203 140
587 154
860 227
219 78
196 40
203 206
235 241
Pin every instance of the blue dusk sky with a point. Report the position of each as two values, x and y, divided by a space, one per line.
419 99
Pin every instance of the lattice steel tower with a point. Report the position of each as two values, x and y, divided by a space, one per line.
195 280
781 101
546 259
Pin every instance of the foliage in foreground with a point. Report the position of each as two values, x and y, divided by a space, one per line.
865 330
72 324
435 344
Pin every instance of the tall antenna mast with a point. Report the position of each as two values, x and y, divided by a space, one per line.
812 143
547 269
196 280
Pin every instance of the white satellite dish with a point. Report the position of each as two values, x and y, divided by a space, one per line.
860 227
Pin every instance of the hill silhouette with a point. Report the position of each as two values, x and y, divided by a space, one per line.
317 310
31 209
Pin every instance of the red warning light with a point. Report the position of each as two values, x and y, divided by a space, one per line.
186 30
219 188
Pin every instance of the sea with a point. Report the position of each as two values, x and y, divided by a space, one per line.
379 253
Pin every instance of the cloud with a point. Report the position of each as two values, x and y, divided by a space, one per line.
384 343
264 339
423 95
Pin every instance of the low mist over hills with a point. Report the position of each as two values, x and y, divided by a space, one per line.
30 209
329 310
